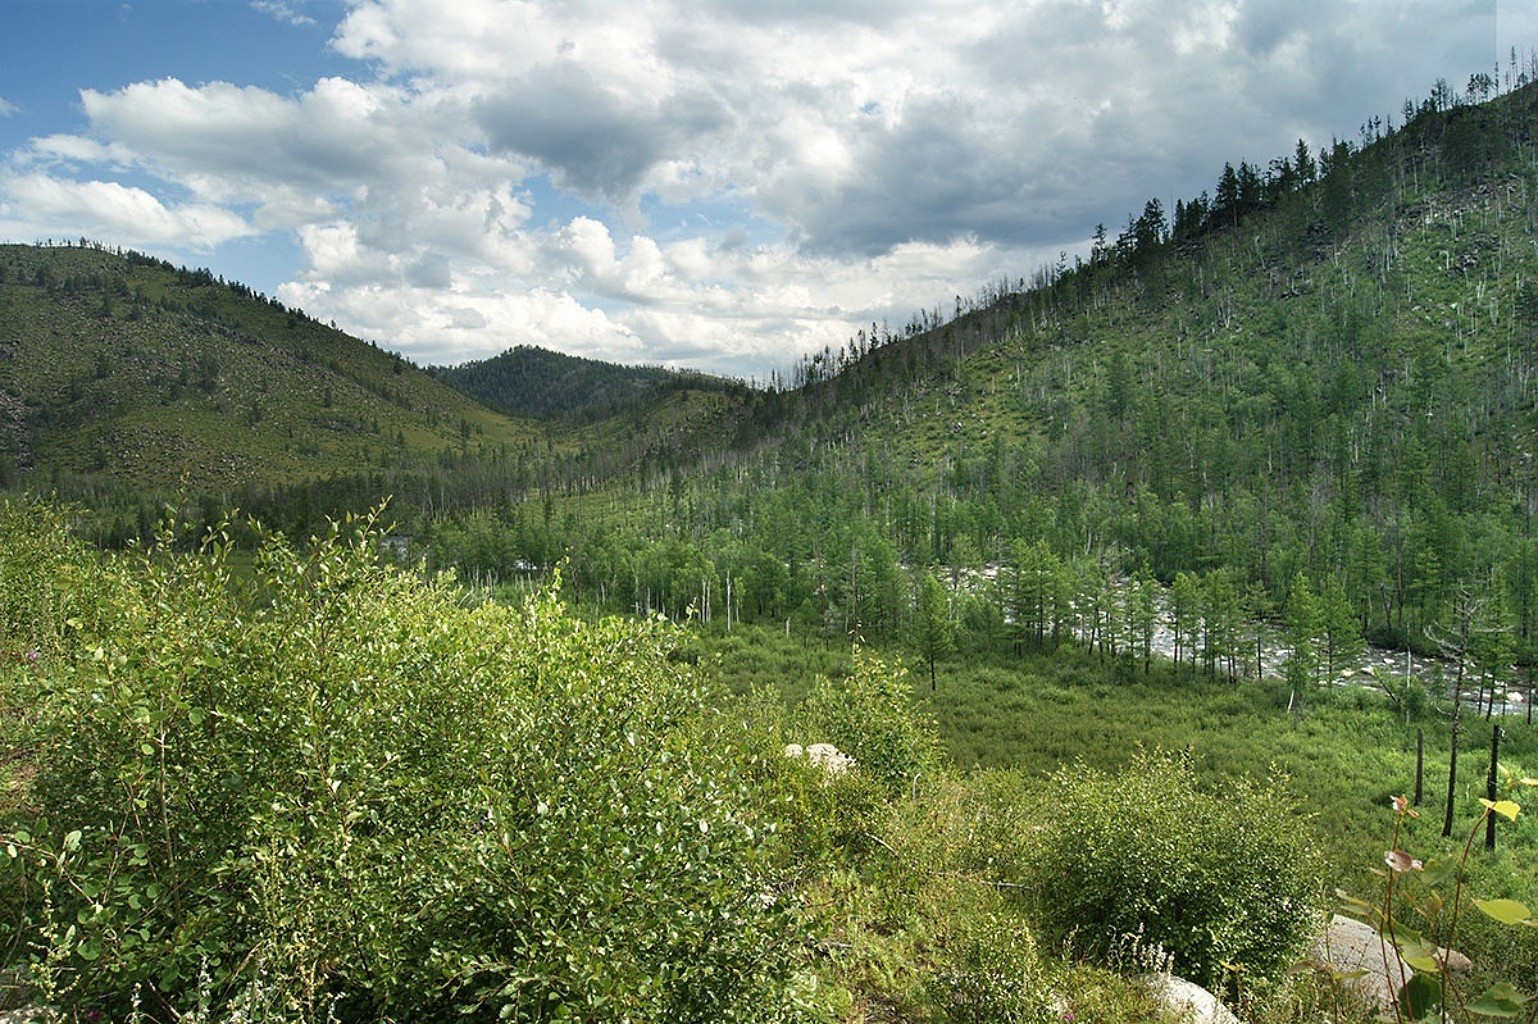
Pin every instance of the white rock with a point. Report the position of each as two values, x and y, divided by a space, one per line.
829 758
1187 1000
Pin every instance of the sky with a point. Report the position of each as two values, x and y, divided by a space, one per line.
724 185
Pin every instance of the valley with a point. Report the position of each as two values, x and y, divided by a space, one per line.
352 690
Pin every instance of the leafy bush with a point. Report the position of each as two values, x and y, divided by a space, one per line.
871 716
330 789
50 587
1223 882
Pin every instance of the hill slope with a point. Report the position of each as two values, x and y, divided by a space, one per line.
1330 375
121 366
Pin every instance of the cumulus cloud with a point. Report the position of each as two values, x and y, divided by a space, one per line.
106 209
805 166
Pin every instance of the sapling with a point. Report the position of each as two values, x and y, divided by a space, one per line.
1430 992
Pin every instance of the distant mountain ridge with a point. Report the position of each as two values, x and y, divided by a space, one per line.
527 380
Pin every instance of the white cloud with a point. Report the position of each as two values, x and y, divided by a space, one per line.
7 108
481 180
106 209
283 10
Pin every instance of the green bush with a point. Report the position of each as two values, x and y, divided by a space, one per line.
871 716
329 789
51 588
1224 882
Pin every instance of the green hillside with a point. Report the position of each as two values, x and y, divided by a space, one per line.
1327 373
124 368
1297 414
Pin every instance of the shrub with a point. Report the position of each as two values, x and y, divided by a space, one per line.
330 790
871 716
1223 882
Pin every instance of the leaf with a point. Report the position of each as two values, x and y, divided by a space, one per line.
1507 809
1499 1000
1420 955
1419 995
1505 911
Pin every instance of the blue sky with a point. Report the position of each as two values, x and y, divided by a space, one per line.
724 185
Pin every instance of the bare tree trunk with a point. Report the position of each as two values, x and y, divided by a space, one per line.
1452 756
1420 764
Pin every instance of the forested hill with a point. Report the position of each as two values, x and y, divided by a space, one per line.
1323 373
1319 374
121 369
530 381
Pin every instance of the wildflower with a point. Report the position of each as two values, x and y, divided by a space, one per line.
1399 861
1402 806
31 656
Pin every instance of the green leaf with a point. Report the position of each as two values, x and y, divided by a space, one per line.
1505 911
1499 1000
1420 995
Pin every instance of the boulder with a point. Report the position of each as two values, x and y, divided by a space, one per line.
1369 965
1455 962
1186 1000
829 758
826 756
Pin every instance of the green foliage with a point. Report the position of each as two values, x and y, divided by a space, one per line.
991 974
1226 883
871 716
48 583
330 790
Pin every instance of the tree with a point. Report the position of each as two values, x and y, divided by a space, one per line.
1185 615
1302 634
1466 635
936 629
1303 163
1339 628
1143 612
1222 620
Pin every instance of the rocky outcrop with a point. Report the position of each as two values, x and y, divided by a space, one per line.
822 755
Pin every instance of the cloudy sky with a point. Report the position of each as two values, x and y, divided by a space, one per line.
721 184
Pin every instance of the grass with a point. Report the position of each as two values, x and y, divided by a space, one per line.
1345 755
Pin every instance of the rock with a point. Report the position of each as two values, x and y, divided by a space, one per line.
826 756
1370 965
1454 961
1186 1000
829 758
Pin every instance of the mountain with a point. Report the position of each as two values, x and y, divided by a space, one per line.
120 367
1323 378
532 381
1326 371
